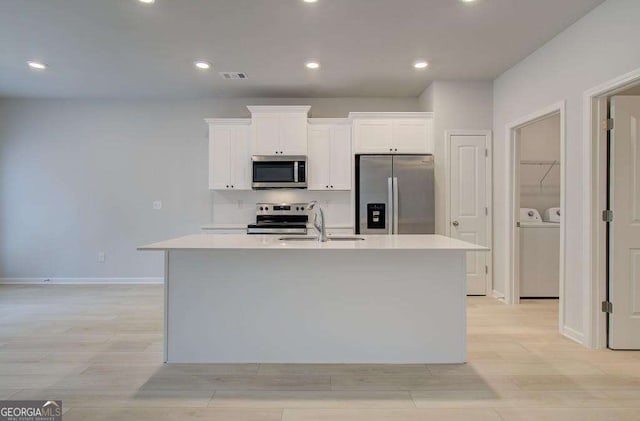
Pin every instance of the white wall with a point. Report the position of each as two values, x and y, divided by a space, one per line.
457 105
79 176
426 98
540 141
597 48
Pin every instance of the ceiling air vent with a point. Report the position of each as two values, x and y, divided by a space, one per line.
233 75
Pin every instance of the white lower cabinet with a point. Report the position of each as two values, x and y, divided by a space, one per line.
229 155
329 155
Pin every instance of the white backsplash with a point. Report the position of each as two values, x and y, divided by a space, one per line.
238 207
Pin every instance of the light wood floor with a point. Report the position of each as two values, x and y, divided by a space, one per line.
98 348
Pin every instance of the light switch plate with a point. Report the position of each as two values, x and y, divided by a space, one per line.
157 205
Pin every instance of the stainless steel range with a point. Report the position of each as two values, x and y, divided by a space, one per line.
280 218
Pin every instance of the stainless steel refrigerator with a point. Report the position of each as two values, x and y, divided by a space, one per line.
395 194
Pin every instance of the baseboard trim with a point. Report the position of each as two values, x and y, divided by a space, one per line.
573 334
81 281
497 294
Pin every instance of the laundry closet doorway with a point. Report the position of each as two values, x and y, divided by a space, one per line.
540 193
539 170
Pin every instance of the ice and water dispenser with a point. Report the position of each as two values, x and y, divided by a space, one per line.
376 216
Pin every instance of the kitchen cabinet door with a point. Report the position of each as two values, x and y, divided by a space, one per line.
410 136
293 134
219 163
266 135
373 136
319 159
240 158
229 157
340 157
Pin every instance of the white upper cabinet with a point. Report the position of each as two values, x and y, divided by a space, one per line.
293 135
229 154
319 158
279 130
389 133
411 135
266 134
373 136
330 157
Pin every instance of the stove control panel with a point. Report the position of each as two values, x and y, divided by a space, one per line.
281 209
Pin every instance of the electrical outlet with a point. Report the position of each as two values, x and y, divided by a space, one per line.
101 257
157 205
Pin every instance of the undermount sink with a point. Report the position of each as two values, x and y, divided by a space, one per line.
316 239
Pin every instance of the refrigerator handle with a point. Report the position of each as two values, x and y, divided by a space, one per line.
390 205
395 205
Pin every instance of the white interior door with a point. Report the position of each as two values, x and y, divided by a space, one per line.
624 231
468 203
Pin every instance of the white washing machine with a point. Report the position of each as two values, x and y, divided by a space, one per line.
539 255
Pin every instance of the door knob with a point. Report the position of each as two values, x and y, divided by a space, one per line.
455 223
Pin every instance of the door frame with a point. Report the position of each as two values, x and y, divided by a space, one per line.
512 286
488 135
595 191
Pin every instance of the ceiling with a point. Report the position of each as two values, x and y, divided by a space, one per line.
366 48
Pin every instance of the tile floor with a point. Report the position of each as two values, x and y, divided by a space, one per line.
98 348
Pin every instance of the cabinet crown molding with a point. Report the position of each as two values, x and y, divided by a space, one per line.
357 115
229 121
279 108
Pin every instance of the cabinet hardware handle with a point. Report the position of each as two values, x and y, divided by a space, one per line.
390 149
455 223
331 186
326 187
227 186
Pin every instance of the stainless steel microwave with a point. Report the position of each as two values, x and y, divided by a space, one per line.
279 172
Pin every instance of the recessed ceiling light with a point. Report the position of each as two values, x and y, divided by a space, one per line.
201 64
468 1
312 65
36 65
310 1
147 1
420 64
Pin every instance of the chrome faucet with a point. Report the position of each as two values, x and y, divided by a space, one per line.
322 232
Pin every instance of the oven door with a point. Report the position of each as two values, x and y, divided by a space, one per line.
284 172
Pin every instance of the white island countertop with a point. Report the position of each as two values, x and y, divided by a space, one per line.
273 242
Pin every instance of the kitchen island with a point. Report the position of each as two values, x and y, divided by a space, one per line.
261 299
